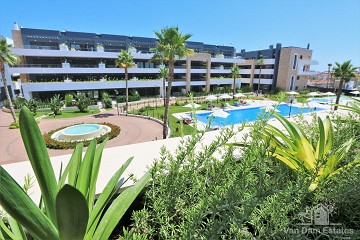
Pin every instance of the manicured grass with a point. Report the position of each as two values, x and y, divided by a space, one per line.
72 114
176 125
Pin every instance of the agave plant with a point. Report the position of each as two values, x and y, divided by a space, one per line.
70 210
295 150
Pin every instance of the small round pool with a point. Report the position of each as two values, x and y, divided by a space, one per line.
81 132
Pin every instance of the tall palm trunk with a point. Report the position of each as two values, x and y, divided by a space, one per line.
338 93
234 88
167 99
7 94
126 90
164 90
259 79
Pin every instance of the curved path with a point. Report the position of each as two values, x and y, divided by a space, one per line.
133 130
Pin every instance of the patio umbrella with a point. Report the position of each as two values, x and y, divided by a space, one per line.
269 109
211 98
313 94
329 94
220 113
292 93
239 95
355 92
225 96
192 105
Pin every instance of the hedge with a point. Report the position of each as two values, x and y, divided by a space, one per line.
54 144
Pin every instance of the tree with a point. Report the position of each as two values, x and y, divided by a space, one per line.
169 48
260 62
345 72
164 74
6 56
125 60
329 66
235 73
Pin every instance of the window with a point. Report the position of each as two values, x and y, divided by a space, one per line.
291 82
301 56
298 77
295 61
296 88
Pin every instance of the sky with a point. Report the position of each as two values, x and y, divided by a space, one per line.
332 27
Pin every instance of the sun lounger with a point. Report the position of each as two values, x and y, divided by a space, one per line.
228 105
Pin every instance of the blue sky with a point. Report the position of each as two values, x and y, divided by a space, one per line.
332 27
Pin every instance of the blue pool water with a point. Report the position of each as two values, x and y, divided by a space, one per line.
238 116
82 129
330 100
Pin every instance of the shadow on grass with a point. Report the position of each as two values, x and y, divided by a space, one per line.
103 115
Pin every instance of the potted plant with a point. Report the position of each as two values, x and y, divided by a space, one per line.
100 48
63 47
219 55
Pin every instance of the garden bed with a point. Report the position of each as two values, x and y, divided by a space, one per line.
54 144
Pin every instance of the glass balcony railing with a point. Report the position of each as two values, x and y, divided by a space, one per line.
42 47
38 66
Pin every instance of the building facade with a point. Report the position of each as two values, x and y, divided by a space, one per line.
84 63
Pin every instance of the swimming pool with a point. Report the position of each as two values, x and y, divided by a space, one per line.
238 116
330 100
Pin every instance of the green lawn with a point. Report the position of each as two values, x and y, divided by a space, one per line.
175 124
72 114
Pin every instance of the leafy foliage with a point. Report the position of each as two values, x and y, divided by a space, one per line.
69 100
56 103
70 209
83 103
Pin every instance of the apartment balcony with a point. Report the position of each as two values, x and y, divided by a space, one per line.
301 67
53 52
264 71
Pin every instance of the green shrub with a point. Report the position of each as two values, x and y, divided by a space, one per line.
121 99
68 209
56 103
32 104
246 89
54 144
14 125
82 103
107 103
19 102
69 100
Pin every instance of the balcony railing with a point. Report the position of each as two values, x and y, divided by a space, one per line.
42 47
39 66
84 66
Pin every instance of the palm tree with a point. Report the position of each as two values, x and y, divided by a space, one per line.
328 81
235 73
6 56
345 72
260 62
164 74
169 48
125 60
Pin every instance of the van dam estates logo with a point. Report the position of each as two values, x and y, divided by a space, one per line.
316 220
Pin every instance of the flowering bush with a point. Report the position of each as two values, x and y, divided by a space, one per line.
54 144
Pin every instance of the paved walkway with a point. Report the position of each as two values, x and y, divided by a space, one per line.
133 130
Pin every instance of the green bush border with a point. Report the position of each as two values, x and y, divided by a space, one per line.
53 144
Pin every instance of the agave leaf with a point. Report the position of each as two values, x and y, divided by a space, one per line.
84 176
72 167
18 204
95 173
104 199
40 161
118 208
6 231
16 229
278 133
288 126
322 140
72 213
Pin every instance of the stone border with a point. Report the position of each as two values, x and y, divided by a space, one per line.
147 117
